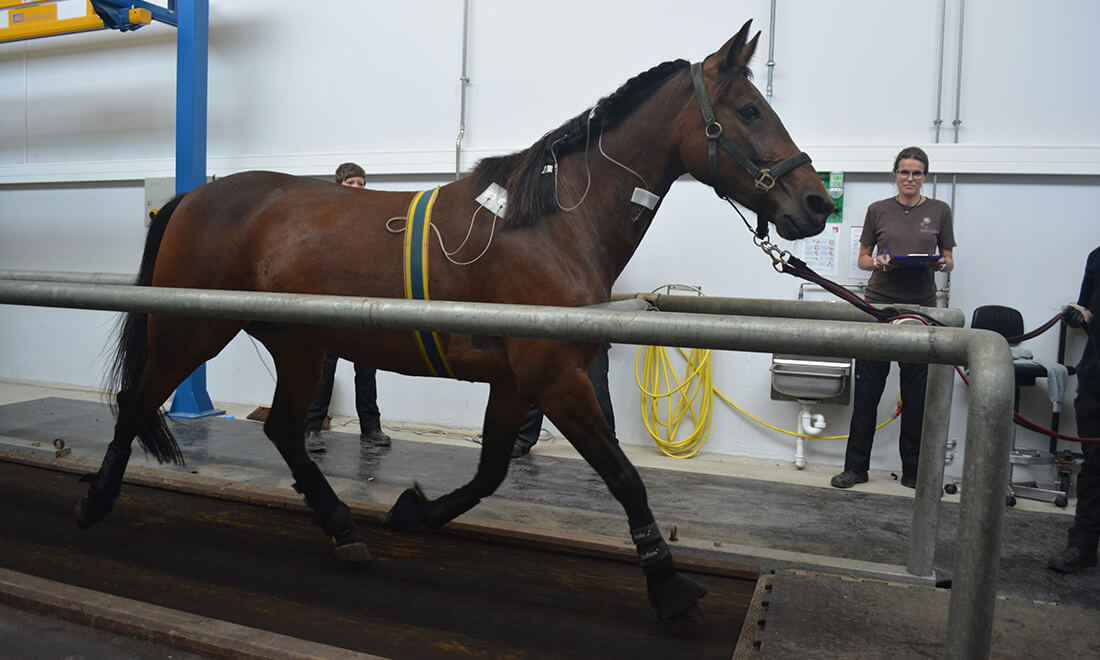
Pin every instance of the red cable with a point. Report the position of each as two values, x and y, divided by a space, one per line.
1020 420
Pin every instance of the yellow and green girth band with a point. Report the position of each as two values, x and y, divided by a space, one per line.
416 276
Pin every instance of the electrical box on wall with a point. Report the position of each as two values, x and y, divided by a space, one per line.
158 192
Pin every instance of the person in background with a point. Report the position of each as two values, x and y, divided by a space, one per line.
906 224
529 432
1080 549
366 387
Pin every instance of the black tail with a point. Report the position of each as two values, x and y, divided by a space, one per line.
133 351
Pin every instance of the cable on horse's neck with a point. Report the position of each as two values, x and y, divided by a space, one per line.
587 171
587 167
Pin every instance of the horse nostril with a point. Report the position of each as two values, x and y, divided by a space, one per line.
819 205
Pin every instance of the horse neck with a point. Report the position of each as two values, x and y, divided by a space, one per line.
643 142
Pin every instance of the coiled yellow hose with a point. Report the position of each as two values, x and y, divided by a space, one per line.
689 397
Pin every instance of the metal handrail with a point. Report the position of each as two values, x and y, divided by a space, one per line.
989 419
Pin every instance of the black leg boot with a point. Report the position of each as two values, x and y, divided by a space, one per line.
105 487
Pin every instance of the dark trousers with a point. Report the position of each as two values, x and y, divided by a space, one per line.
597 373
870 382
1086 524
366 398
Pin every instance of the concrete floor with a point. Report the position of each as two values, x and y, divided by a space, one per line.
28 635
721 506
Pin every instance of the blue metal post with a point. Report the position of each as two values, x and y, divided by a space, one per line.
192 38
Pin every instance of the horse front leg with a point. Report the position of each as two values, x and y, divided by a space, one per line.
299 368
575 411
503 416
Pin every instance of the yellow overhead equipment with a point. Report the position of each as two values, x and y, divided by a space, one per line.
28 19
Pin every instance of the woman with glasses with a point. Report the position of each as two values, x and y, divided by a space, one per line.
905 225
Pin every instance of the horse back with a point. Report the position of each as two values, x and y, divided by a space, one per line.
266 231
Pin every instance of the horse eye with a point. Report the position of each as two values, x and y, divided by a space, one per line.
749 112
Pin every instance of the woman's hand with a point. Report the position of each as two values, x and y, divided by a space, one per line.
941 264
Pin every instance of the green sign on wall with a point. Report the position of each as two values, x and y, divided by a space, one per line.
834 183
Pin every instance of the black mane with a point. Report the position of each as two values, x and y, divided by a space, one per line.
530 192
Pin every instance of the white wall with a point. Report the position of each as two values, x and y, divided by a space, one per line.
86 117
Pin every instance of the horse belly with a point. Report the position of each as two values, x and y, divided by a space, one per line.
470 358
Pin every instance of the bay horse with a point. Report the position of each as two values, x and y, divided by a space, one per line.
578 203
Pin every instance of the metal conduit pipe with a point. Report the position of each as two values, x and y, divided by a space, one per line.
959 72
989 417
938 121
465 81
771 52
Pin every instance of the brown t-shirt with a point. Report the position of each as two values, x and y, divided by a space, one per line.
925 229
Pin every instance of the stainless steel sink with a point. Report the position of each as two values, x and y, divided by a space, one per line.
811 378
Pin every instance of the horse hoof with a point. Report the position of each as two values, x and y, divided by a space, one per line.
687 626
353 552
409 511
676 599
692 616
84 517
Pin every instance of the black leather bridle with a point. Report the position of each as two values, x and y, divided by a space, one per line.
764 179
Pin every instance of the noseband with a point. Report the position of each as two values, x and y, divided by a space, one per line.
763 178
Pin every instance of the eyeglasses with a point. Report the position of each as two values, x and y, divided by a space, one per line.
905 174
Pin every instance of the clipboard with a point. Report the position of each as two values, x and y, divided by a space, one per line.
913 260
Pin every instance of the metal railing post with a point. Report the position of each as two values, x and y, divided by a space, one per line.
933 444
985 473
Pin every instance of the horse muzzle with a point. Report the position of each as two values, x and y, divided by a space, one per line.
810 221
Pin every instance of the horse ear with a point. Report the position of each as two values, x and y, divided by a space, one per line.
737 52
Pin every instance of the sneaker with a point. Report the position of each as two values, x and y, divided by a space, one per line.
908 481
314 441
847 479
376 438
1071 560
520 449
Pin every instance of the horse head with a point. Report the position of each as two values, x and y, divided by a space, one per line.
734 142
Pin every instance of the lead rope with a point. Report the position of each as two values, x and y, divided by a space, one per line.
785 262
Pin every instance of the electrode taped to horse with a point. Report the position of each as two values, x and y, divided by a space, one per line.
494 199
645 198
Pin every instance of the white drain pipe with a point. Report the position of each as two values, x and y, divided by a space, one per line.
809 423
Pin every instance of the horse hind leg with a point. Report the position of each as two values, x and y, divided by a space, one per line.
673 595
299 368
106 484
503 416
133 418
150 365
